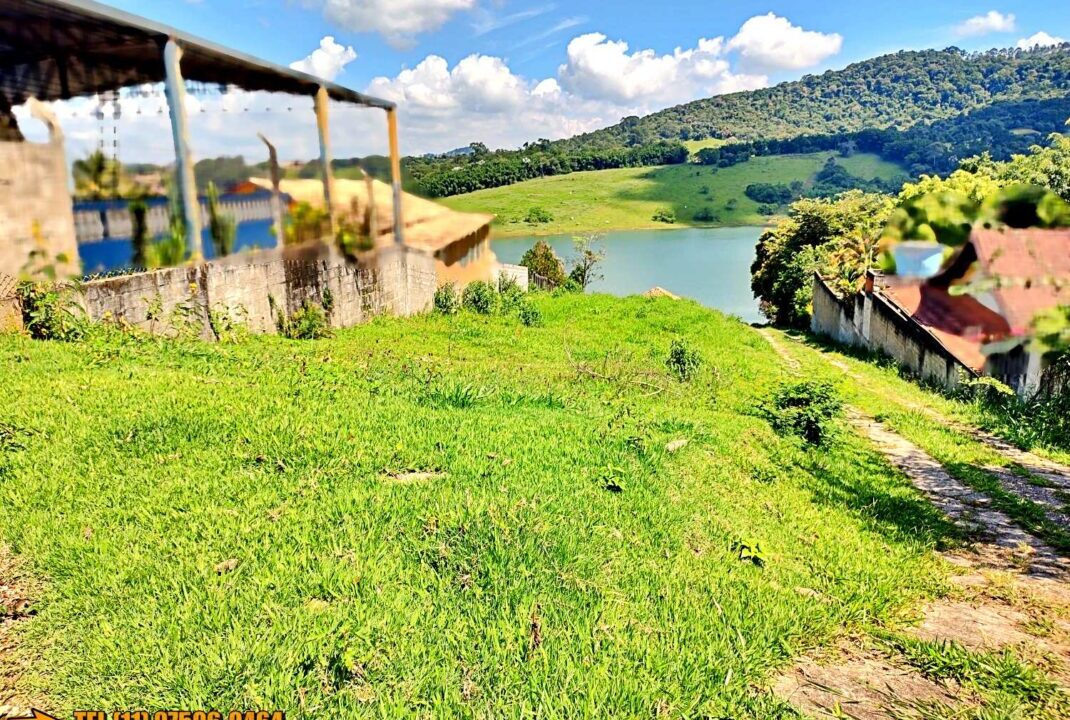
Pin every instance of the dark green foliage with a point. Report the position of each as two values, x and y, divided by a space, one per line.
480 297
542 260
223 172
445 176
530 315
805 409
684 361
447 301
706 215
308 323
664 215
51 312
538 215
893 91
770 193
1043 419
139 235
789 254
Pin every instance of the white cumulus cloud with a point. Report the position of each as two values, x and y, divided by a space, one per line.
991 22
326 61
603 69
399 21
1040 39
770 42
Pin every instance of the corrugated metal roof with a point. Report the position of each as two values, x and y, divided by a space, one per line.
59 49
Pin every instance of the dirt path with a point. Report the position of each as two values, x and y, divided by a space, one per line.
1012 593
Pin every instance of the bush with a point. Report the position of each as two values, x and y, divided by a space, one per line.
804 409
308 323
664 215
480 297
683 361
447 302
542 260
51 312
706 215
530 315
509 293
538 216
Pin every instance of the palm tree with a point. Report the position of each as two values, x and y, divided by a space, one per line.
92 175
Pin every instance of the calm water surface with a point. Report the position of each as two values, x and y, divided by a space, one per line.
710 265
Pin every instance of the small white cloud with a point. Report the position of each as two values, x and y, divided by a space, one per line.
399 21
990 22
326 61
1040 39
770 42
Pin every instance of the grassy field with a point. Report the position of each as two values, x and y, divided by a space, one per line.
627 198
440 517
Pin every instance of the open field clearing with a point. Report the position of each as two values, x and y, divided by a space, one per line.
628 197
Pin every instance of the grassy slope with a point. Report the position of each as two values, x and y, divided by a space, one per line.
130 469
627 197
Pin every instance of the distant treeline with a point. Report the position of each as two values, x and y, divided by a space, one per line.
1002 130
443 177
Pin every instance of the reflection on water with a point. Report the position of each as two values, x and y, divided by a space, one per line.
711 265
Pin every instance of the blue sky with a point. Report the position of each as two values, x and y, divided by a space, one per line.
506 71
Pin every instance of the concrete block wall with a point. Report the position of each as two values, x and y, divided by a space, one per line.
35 206
253 288
871 321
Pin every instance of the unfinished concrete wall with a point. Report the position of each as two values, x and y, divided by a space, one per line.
10 310
35 205
252 289
871 321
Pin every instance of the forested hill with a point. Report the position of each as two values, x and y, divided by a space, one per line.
897 90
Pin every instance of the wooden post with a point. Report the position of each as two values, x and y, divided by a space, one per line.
322 110
395 172
175 88
276 200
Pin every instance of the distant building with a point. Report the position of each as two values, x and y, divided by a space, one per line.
944 334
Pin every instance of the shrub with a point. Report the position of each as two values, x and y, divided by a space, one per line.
308 323
447 302
509 293
706 215
683 361
51 312
664 215
530 315
538 216
542 260
804 409
480 297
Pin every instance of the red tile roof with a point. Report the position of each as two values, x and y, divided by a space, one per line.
1032 267
961 323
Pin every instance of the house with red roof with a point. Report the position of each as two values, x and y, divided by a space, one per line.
971 319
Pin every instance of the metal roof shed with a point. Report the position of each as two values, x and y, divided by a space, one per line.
61 49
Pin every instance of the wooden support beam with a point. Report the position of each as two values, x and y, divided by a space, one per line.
276 199
323 125
395 172
175 88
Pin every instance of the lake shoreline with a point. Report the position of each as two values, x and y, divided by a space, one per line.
709 265
496 232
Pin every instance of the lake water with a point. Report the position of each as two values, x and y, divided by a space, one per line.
710 265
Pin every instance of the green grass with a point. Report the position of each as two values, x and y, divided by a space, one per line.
548 557
626 198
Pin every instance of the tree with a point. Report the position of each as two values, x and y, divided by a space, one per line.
93 175
586 261
815 230
542 260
